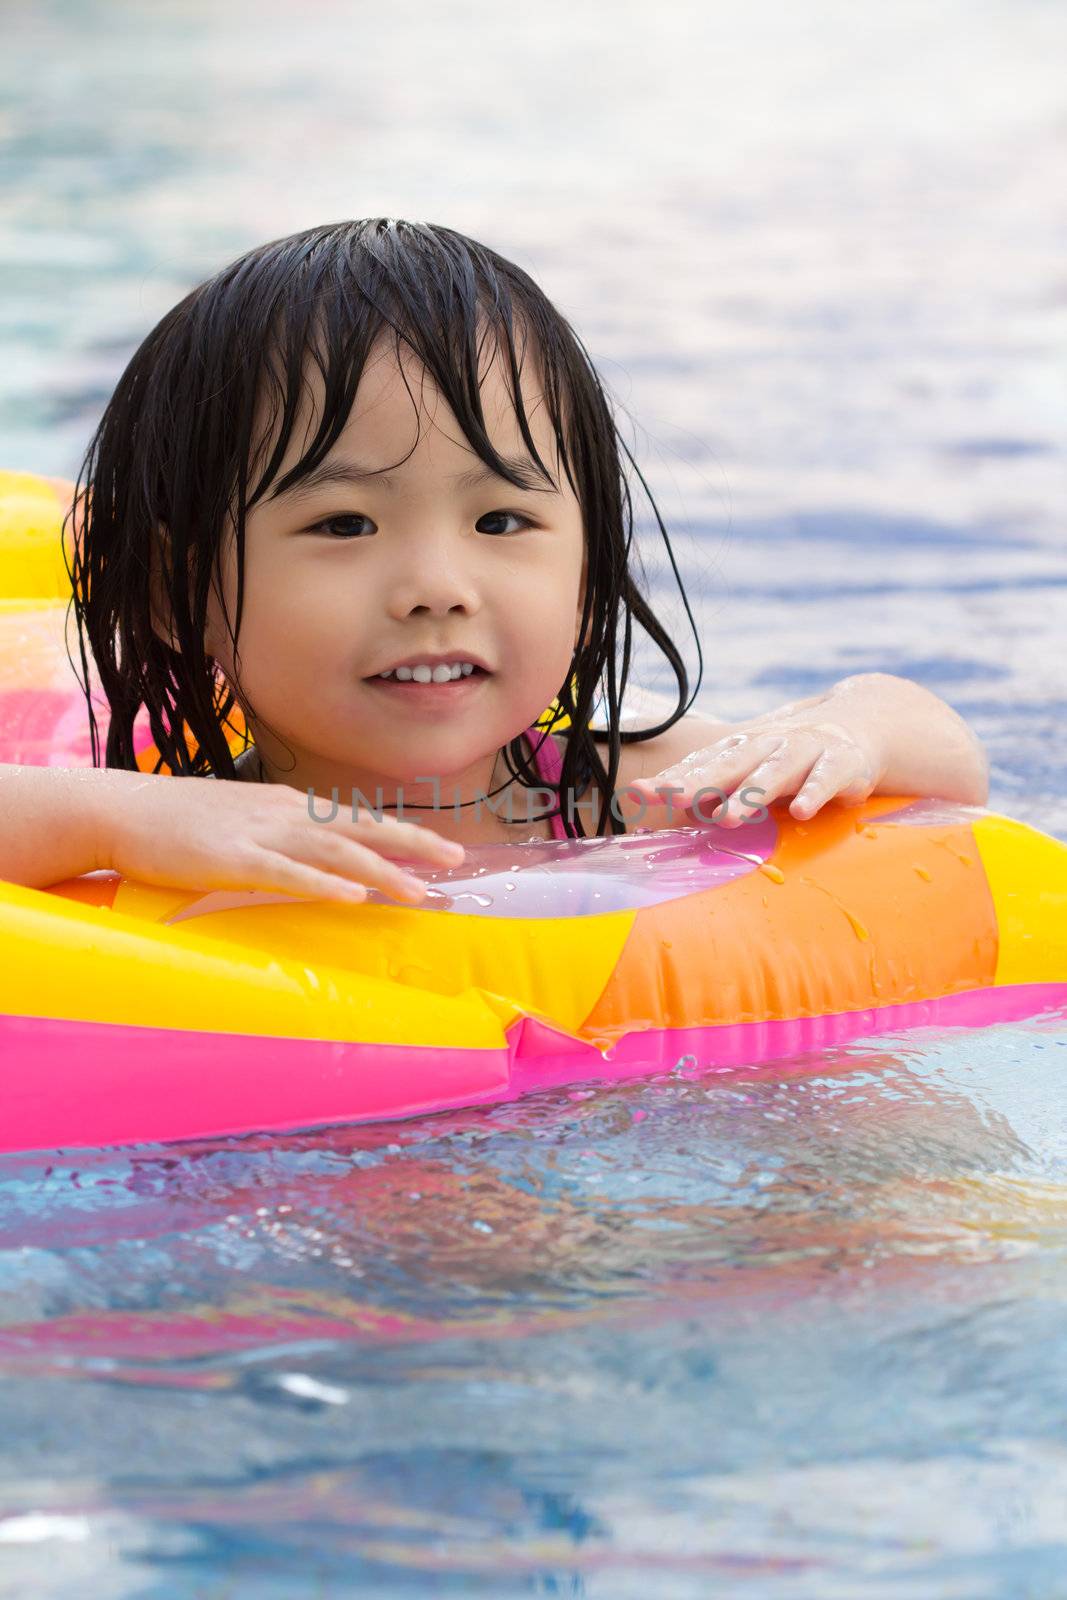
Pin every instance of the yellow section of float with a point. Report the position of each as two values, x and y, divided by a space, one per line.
76 962
553 967
1027 875
31 537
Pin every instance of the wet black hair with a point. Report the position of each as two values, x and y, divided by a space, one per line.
175 447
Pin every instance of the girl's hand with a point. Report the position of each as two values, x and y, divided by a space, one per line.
227 834
869 733
784 753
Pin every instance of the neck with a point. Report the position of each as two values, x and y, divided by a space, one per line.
493 808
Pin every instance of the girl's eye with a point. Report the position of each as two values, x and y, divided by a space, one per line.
516 514
332 524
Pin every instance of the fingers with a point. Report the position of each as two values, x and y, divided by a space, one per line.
841 773
719 766
304 850
334 867
814 764
406 840
333 851
812 777
779 773
269 869
384 834
731 764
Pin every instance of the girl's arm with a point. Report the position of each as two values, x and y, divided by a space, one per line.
926 747
58 822
50 821
929 748
872 733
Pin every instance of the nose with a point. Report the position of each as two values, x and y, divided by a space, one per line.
432 580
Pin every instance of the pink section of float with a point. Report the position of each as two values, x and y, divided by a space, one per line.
103 1083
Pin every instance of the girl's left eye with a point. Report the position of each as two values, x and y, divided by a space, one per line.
516 514
329 522
349 516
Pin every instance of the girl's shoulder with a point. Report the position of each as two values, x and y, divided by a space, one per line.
689 733
652 756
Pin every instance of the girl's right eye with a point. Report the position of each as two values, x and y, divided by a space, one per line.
328 522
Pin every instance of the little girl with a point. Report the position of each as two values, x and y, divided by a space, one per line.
366 484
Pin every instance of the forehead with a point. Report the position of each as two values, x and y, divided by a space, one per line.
399 409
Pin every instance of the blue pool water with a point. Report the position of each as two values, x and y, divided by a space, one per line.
795 1333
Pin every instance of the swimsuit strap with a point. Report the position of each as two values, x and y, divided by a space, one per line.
548 764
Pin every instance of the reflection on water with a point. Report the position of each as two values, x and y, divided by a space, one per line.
791 1333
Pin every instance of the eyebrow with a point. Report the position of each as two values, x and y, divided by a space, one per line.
328 472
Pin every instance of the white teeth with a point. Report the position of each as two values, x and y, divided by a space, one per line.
424 674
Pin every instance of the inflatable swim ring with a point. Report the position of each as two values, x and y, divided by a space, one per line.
130 1012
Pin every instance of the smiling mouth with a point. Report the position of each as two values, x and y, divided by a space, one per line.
444 686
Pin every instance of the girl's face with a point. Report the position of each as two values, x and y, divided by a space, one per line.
347 576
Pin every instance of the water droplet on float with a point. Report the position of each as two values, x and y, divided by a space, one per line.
769 870
964 859
856 925
928 877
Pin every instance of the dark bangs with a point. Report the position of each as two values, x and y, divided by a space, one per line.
182 452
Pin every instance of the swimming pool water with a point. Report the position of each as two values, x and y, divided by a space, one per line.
792 1333
795 1331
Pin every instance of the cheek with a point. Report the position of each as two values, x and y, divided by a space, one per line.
543 634
548 603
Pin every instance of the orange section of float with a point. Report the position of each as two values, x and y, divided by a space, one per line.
783 942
